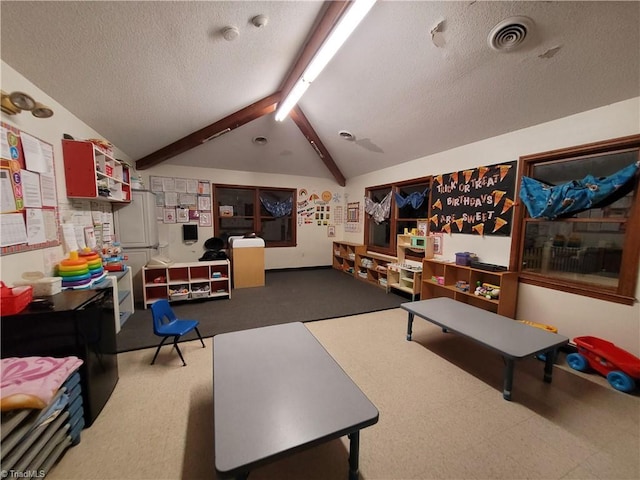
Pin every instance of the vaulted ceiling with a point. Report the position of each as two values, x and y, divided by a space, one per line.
415 78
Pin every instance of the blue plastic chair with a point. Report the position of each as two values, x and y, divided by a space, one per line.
166 324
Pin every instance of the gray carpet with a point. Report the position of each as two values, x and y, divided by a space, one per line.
288 296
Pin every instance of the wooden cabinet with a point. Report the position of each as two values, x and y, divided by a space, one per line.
344 256
447 279
91 173
373 267
186 281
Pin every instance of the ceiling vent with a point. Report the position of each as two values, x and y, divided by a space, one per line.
510 33
347 135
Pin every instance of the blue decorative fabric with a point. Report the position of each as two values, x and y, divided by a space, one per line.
415 199
378 211
278 209
552 201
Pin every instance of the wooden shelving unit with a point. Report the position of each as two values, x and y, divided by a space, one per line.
451 274
92 174
406 274
199 279
373 267
344 256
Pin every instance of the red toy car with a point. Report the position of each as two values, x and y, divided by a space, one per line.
621 368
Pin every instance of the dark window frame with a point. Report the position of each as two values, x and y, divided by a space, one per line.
394 218
624 293
258 212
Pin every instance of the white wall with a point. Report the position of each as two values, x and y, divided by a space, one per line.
49 130
574 315
313 247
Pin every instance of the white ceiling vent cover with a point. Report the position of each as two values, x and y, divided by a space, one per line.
510 33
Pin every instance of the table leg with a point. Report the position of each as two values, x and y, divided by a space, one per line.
354 453
508 378
242 476
409 326
550 358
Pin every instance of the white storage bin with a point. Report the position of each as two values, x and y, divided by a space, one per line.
42 287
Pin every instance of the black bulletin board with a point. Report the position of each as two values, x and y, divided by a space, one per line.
477 201
16 216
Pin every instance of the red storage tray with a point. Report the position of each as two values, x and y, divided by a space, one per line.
14 300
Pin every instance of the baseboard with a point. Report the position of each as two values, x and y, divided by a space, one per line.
292 269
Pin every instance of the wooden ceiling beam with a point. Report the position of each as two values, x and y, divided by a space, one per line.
312 137
241 117
332 14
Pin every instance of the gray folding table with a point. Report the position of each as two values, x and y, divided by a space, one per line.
276 391
508 337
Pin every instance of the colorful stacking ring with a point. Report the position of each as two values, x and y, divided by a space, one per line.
72 268
70 263
77 285
77 278
73 273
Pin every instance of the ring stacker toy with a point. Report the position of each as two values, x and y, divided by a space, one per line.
80 271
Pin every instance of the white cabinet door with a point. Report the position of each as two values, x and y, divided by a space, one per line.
135 223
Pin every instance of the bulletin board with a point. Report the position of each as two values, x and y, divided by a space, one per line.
29 216
477 201
182 200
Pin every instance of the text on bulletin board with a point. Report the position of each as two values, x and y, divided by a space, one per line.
475 201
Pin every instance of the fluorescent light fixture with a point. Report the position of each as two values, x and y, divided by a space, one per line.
346 25
294 95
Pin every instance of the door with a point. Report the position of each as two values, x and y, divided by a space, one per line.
135 224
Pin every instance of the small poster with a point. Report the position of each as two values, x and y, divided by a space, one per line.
182 215
169 215
205 219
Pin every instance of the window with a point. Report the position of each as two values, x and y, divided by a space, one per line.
593 252
269 212
381 237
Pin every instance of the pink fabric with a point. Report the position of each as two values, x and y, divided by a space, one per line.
38 378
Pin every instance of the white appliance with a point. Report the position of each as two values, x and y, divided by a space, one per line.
136 229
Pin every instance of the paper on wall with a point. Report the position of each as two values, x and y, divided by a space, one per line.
35 226
12 229
31 189
69 237
33 156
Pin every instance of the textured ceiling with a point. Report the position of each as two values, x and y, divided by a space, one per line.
145 74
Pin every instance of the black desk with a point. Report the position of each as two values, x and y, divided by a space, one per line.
508 337
277 390
79 323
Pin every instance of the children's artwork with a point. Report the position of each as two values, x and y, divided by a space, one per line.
182 215
476 201
205 219
169 215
